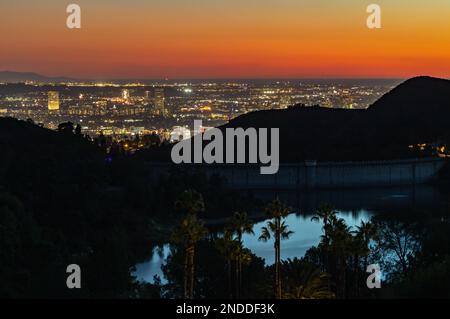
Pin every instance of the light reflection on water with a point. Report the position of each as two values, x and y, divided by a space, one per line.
353 206
147 270
306 235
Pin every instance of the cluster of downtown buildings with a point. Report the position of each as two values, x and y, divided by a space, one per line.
168 109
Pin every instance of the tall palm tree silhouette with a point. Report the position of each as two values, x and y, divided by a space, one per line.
189 232
241 224
278 229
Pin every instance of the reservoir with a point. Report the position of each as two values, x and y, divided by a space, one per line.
352 205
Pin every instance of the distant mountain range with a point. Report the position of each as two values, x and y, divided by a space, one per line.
16 77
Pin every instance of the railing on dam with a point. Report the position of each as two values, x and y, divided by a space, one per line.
313 174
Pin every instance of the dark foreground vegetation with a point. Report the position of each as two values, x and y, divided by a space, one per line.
64 200
412 249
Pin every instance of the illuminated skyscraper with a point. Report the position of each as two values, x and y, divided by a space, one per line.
125 94
53 101
147 95
160 105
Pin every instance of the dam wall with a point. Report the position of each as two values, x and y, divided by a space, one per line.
313 174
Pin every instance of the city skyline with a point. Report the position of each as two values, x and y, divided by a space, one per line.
215 40
125 109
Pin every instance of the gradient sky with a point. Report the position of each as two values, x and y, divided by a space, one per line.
226 38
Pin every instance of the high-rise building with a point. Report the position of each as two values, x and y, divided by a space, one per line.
160 102
125 94
147 95
53 101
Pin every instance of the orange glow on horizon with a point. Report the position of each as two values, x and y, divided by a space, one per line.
218 39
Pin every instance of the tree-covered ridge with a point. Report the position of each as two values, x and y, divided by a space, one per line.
64 200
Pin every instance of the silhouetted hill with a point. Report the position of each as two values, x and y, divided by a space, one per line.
59 205
28 139
416 111
15 77
35 160
416 96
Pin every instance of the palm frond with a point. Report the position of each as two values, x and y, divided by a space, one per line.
265 234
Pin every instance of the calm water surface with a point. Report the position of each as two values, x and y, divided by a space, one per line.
353 206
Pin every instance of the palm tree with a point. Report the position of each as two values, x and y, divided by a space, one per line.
340 239
190 202
226 246
277 229
305 280
190 231
316 287
365 233
241 256
325 213
241 224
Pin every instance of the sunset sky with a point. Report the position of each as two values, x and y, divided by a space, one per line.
226 38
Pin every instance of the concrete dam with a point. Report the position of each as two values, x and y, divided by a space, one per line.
318 175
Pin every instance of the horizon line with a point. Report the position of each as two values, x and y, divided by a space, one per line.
219 78
152 78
